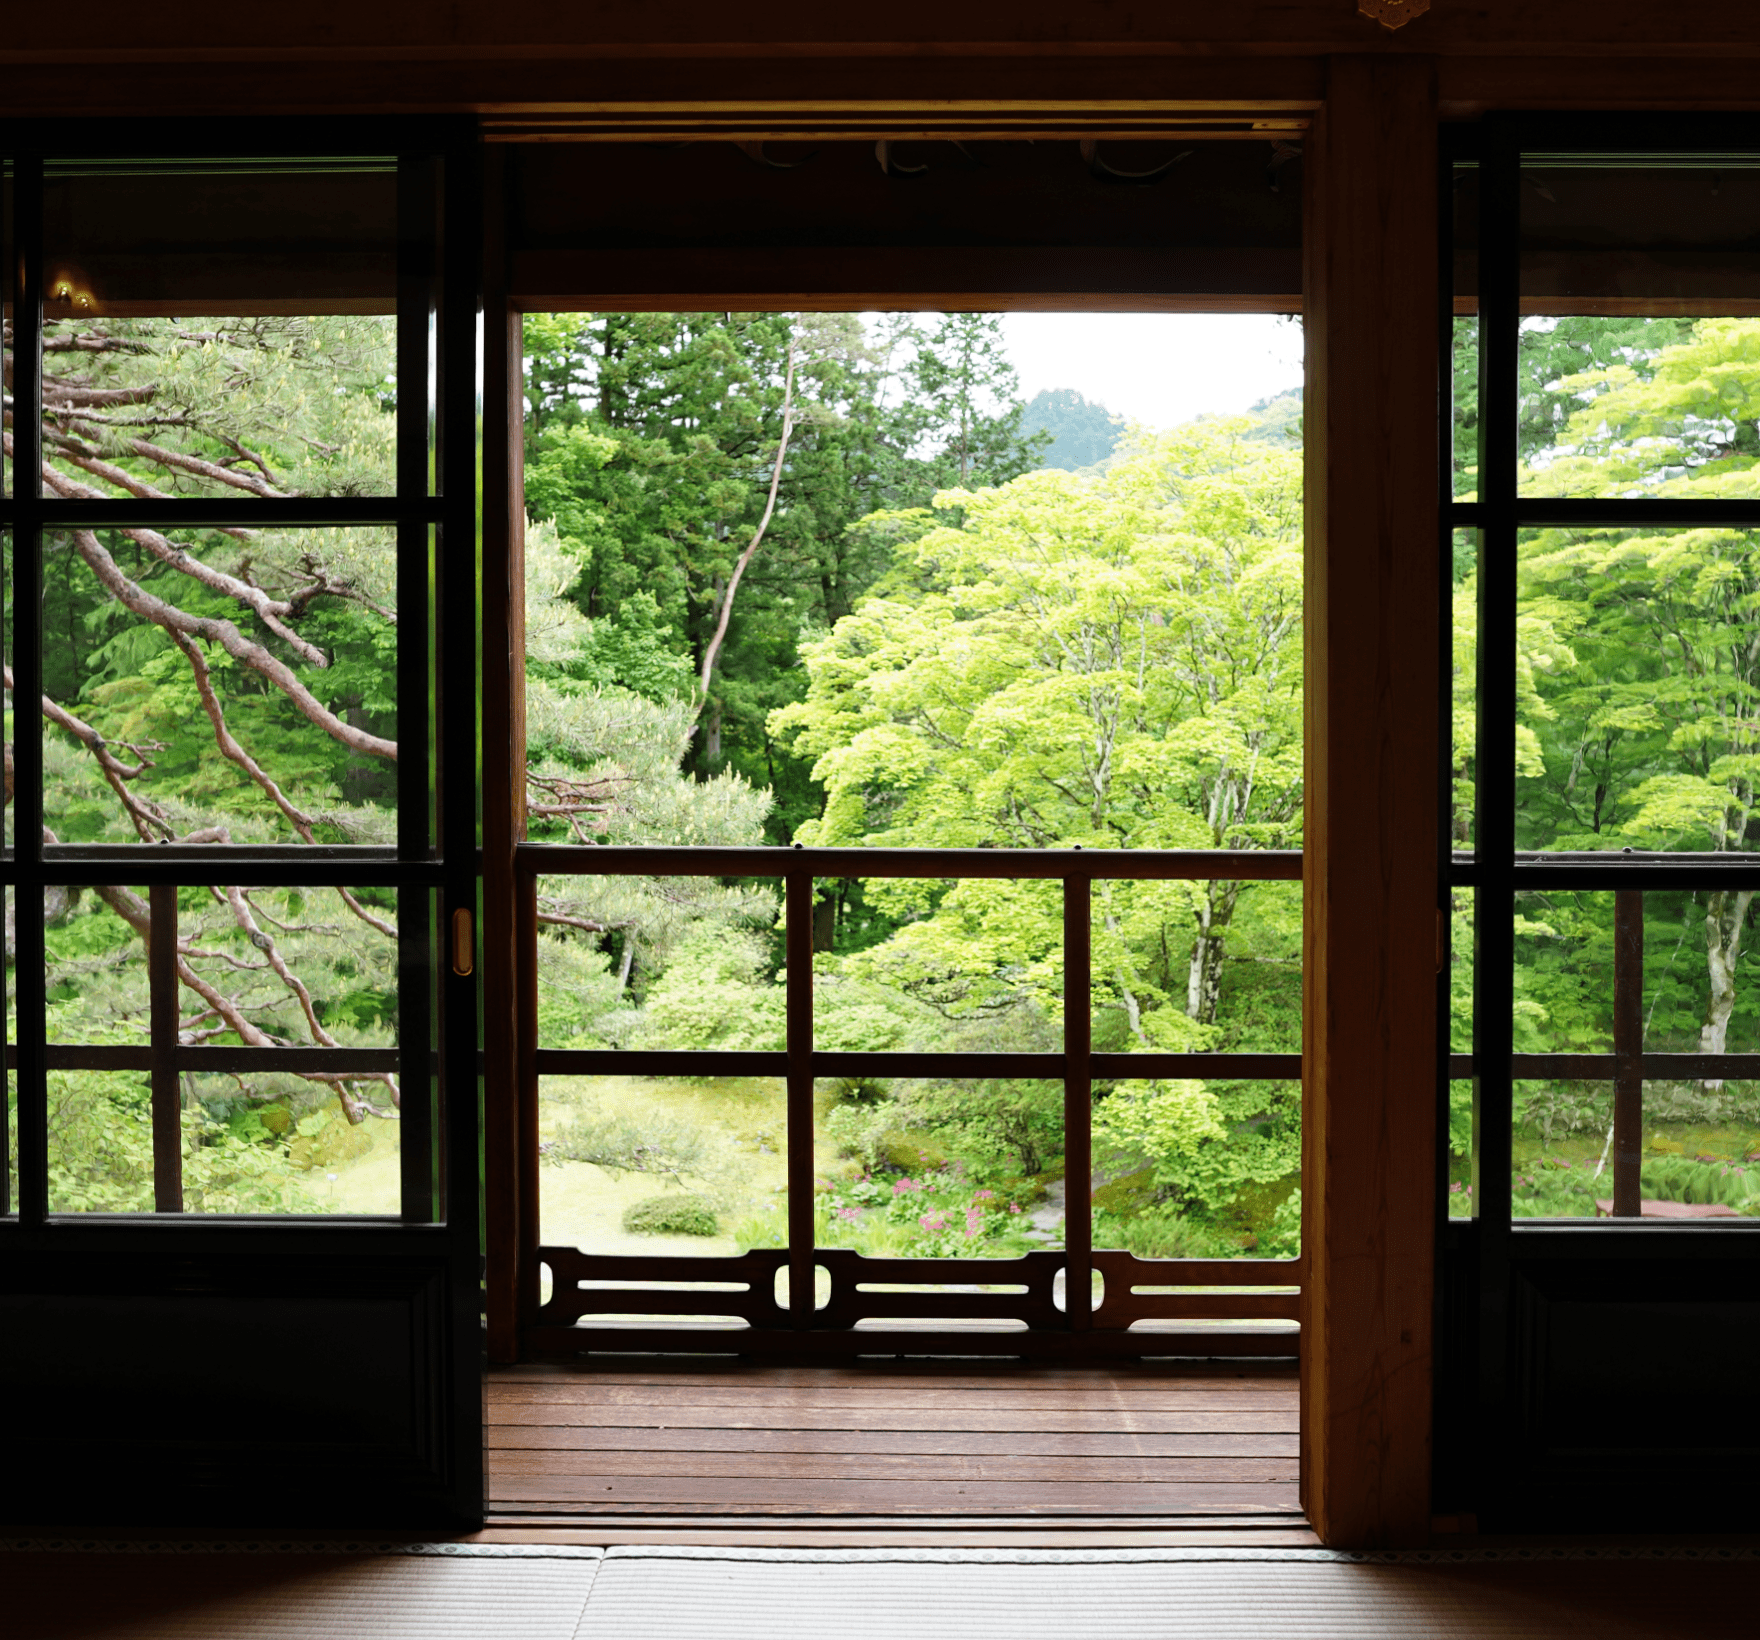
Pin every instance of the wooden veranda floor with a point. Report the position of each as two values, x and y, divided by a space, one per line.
916 1441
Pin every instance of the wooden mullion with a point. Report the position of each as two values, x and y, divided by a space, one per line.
162 1014
1628 1052
24 815
509 932
798 903
1078 1104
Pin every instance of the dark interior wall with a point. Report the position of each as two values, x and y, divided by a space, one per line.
1604 1328
1186 217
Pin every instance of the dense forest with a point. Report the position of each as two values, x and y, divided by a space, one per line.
801 577
830 566
1638 683
218 686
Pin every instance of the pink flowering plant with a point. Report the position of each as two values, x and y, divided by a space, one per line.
929 1213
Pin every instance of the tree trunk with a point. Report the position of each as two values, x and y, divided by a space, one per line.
1726 913
1204 975
712 739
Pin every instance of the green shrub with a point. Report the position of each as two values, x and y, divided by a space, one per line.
1129 1194
671 1216
761 1229
1283 1238
1160 1232
650 1143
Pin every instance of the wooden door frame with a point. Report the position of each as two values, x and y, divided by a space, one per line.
1370 900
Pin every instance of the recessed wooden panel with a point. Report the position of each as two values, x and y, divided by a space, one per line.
1630 1380
210 1391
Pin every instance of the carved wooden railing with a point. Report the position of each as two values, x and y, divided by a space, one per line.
814 1301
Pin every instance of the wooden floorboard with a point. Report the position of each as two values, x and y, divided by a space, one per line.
892 1443
894 1440
893 1397
830 1418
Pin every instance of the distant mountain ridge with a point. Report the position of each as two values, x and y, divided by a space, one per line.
1082 432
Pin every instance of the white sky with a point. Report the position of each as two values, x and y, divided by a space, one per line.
1160 368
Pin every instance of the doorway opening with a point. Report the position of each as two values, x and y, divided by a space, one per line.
912 827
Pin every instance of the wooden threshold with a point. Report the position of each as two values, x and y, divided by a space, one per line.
670 1449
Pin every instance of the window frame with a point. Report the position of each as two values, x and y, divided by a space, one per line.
433 866
1493 872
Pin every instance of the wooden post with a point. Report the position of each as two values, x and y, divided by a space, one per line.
510 1217
798 923
162 1017
1078 1103
1370 894
1628 1052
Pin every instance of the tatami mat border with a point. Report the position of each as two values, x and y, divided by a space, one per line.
916 1556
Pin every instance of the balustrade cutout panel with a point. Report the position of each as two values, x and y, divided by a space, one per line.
630 1291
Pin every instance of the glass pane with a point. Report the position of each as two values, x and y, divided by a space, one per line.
1462 1149
100 1120
100 1130
1464 693
259 968
642 1165
211 686
219 329
1638 346
95 965
1701 1149
1561 1157
8 273
1699 1154
1190 1169
1638 664
1194 967
1695 997
1464 420
1463 964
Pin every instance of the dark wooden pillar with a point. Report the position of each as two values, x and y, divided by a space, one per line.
503 769
1372 727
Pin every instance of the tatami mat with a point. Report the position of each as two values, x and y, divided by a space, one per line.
191 1592
292 1597
646 1598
